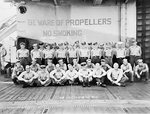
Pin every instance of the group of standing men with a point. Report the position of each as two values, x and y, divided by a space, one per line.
79 63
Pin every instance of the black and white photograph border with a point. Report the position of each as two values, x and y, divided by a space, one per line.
74 56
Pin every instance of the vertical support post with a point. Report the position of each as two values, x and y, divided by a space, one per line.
119 20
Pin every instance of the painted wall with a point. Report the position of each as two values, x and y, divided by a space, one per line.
72 22
128 21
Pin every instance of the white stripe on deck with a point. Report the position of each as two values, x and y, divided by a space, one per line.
76 103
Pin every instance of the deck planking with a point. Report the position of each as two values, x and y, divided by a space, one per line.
132 99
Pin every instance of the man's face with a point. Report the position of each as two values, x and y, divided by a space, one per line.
134 44
18 64
125 62
28 69
41 46
88 62
116 66
49 62
43 69
34 62
22 46
103 63
74 61
57 67
35 47
97 65
70 67
140 63
61 62
48 47
84 67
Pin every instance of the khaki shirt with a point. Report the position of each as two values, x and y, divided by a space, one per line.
27 75
22 53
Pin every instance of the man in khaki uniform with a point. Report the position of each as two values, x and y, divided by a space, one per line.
23 55
43 77
17 70
27 78
142 70
116 77
135 53
58 76
127 70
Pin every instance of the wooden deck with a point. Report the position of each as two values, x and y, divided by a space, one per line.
135 98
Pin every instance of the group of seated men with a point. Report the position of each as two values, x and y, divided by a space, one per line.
86 73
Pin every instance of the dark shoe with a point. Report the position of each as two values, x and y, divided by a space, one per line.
123 85
83 84
88 85
103 85
24 86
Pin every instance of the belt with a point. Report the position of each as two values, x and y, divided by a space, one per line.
135 55
48 58
23 57
120 57
37 58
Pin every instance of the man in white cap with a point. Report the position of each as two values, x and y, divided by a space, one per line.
135 53
27 78
116 77
108 55
41 49
142 70
23 55
84 52
48 53
61 52
96 55
120 53
36 54
43 77
127 70
72 54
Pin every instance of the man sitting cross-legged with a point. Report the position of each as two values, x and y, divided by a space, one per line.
142 70
71 74
43 77
127 69
27 78
99 74
85 75
58 76
17 70
116 77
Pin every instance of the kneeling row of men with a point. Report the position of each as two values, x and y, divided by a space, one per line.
85 75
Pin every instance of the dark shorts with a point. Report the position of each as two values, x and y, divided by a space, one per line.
24 61
83 59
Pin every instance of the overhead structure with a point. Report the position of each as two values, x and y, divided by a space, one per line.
97 2
55 2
